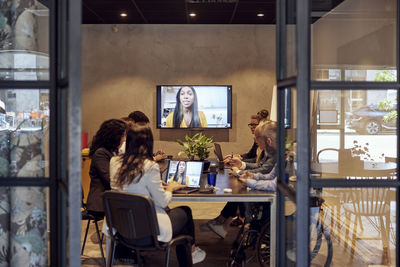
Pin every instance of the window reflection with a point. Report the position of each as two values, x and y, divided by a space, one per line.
24 116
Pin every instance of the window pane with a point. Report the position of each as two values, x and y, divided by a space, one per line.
24 238
360 224
353 134
24 41
24 137
291 68
290 233
353 39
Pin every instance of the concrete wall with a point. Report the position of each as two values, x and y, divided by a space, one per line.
123 64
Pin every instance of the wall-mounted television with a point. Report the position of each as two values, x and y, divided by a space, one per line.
194 106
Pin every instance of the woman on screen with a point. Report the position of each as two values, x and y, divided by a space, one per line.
186 113
180 174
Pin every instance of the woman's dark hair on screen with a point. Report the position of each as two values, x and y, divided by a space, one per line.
139 147
178 111
108 136
176 175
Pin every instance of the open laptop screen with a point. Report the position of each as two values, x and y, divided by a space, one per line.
218 151
185 172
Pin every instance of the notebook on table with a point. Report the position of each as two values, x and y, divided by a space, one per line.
185 172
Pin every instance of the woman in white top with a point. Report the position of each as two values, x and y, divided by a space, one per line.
136 172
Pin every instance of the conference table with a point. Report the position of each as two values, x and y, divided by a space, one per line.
239 193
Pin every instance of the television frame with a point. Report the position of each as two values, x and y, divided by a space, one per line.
229 106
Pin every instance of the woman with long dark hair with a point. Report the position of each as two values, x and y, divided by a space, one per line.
186 113
138 173
180 174
105 144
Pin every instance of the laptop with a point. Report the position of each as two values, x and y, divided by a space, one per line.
185 172
218 152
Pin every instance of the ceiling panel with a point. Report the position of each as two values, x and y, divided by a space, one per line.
176 11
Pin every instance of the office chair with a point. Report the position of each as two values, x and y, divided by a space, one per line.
134 222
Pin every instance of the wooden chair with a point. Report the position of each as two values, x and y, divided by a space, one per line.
369 202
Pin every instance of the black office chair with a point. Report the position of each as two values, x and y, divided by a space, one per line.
88 217
133 218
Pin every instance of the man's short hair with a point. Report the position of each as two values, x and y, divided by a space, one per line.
268 129
139 117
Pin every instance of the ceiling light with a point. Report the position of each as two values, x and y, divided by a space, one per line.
192 14
123 14
260 15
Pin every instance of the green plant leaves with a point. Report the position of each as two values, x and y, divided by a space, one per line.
196 146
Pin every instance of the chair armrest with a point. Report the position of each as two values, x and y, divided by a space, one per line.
180 240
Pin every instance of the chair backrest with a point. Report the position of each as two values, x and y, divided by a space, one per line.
133 216
370 201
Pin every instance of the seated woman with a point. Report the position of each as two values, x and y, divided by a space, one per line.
180 174
186 113
105 144
138 173
254 153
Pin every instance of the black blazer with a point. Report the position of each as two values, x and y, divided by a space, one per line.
251 156
99 179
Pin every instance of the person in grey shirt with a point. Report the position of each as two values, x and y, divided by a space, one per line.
266 139
267 162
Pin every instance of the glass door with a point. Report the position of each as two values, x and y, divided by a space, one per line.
339 107
39 99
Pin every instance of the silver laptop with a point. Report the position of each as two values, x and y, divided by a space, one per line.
185 172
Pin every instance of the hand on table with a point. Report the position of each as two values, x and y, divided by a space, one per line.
247 175
173 186
243 180
234 172
235 162
234 156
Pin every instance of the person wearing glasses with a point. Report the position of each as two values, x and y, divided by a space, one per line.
254 153
253 157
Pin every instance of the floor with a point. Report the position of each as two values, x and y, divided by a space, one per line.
367 253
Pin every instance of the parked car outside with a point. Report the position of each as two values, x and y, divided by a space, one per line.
370 120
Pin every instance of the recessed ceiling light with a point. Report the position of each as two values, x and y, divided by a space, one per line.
123 14
192 14
260 15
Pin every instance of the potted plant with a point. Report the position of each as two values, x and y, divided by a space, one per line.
198 146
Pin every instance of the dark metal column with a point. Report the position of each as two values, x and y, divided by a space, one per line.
74 132
303 132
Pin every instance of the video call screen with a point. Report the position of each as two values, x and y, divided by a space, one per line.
194 106
185 172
